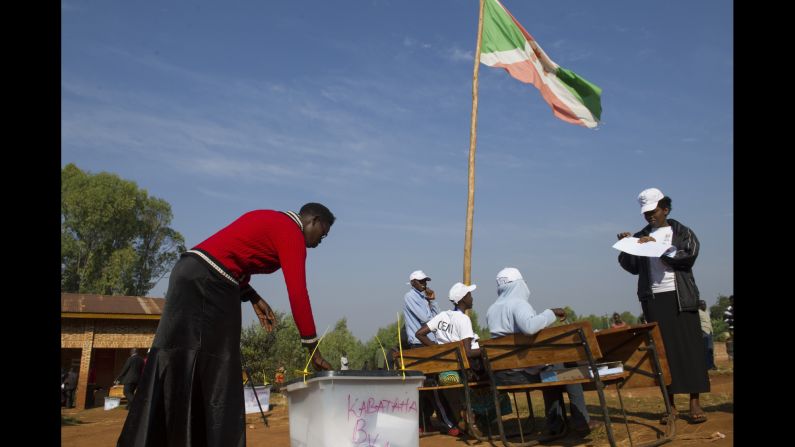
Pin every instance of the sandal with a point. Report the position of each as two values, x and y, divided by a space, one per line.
698 418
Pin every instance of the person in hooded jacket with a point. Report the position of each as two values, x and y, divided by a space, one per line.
513 314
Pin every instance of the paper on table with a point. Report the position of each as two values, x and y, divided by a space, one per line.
649 249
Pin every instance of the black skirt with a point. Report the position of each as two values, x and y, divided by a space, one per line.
191 390
684 348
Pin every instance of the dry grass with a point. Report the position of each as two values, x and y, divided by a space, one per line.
643 411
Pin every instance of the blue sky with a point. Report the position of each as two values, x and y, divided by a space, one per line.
224 107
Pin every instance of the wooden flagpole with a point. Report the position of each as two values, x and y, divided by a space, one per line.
472 144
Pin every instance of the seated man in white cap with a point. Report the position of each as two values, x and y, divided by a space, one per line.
453 325
513 314
450 326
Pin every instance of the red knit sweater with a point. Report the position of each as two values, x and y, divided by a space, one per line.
262 241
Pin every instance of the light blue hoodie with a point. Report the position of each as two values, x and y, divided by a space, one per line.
512 312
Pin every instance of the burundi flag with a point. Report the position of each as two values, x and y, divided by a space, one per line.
505 43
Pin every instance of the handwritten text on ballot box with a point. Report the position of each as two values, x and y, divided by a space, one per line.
355 408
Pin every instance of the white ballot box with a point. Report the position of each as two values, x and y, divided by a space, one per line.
354 408
264 394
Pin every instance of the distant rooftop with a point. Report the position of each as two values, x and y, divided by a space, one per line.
80 303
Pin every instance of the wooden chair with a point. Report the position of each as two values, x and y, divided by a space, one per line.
573 342
640 348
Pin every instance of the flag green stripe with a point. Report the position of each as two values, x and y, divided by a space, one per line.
499 31
590 95
506 44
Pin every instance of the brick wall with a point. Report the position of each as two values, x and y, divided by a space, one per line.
124 333
88 334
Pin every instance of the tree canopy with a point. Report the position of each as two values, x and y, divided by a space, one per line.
716 315
115 238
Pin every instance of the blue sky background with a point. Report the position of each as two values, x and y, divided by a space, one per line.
224 107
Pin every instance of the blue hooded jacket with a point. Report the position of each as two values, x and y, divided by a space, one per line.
512 312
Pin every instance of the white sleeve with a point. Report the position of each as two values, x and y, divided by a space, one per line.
465 328
433 323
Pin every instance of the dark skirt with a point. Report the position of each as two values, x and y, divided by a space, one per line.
684 347
191 390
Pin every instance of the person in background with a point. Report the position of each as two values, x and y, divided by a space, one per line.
669 296
617 322
450 326
706 334
453 325
344 361
278 378
393 358
130 375
69 387
419 306
728 317
63 389
512 313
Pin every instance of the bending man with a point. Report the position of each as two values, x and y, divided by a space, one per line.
191 393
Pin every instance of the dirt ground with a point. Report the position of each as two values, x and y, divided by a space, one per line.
100 428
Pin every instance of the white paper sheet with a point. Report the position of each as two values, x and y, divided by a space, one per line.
649 249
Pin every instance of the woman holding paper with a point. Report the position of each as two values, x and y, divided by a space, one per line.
669 296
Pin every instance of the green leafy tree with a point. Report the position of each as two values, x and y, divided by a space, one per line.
264 353
115 238
597 322
571 316
483 332
257 346
716 310
716 315
628 318
388 337
342 340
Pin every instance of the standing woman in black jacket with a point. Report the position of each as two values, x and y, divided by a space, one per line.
669 296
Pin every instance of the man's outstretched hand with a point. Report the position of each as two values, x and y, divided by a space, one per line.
267 319
319 363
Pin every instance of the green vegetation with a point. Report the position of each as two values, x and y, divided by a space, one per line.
264 353
115 238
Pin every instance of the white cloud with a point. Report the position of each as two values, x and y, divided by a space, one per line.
456 54
410 42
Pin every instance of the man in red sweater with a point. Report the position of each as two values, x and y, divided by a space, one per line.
191 393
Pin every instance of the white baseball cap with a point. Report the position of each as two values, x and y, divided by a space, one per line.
419 275
459 291
507 275
648 199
